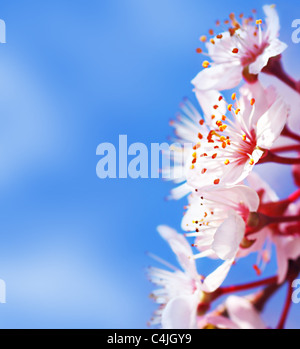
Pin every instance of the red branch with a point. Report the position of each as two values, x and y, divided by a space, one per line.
237 288
286 308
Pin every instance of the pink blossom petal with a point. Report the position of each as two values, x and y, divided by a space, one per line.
180 247
270 125
220 322
275 48
216 278
272 20
242 313
219 77
228 236
180 313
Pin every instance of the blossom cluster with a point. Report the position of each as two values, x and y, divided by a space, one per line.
231 211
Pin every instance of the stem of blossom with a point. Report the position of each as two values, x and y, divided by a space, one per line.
271 157
279 207
294 196
286 308
275 68
261 220
283 219
237 288
288 133
286 148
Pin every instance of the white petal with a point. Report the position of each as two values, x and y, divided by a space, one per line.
272 20
219 77
242 312
180 313
216 278
229 236
260 62
274 49
271 123
237 195
180 247
180 191
220 322
286 248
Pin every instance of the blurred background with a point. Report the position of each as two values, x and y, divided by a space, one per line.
73 249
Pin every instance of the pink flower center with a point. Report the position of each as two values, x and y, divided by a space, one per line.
251 55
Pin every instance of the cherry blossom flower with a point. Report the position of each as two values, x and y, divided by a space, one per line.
180 291
235 143
241 315
188 126
231 211
245 48
218 220
285 236
291 98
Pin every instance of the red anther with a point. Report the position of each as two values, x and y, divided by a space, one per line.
256 268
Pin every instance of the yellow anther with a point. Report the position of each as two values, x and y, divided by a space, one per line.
205 64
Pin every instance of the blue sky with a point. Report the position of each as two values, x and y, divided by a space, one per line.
74 75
